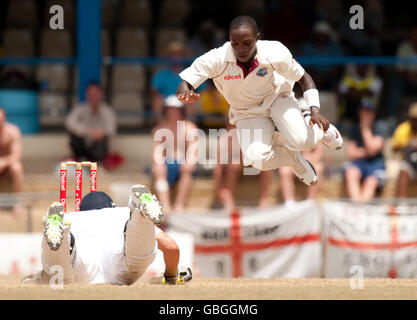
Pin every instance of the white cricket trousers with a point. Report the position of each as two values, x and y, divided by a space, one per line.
266 149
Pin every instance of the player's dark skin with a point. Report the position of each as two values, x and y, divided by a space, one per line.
243 41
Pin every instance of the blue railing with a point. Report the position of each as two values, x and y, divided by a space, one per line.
304 60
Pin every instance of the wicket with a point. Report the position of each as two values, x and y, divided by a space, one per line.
78 181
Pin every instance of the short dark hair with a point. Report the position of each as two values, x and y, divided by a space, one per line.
94 84
244 21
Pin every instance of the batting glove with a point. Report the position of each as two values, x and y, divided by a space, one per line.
183 275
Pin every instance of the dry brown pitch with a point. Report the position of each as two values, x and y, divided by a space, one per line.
237 289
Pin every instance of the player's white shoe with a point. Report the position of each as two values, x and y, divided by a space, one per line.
143 200
54 225
303 169
332 138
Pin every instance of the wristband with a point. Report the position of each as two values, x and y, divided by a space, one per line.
311 97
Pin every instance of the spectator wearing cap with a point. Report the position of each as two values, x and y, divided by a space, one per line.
322 45
165 82
360 86
404 140
365 172
171 157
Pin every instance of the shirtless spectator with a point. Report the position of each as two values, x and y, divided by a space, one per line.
170 165
10 155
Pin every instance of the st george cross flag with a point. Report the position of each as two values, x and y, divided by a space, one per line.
274 242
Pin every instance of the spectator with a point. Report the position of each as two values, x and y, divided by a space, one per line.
10 156
322 45
170 161
365 173
90 126
404 140
287 175
206 37
229 169
359 87
214 108
405 80
165 82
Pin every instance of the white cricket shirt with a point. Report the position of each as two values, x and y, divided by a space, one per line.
249 96
99 244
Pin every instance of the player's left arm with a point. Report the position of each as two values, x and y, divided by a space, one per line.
311 95
284 63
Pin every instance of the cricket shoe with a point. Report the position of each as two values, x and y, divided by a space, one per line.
143 200
54 225
331 138
303 169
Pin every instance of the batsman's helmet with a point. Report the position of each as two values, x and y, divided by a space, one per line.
96 200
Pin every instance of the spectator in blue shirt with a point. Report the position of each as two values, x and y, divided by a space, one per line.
165 82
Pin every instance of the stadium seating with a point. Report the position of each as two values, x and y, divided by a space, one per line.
18 43
56 43
129 109
131 42
53 109
128 78
136 13
53 77
168 7
22 13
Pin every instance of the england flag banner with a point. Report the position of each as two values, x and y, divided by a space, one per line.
275 242
378 240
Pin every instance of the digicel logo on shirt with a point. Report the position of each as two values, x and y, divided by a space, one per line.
229 77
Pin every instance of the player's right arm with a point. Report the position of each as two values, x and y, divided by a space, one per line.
185 93
171 252
209 65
